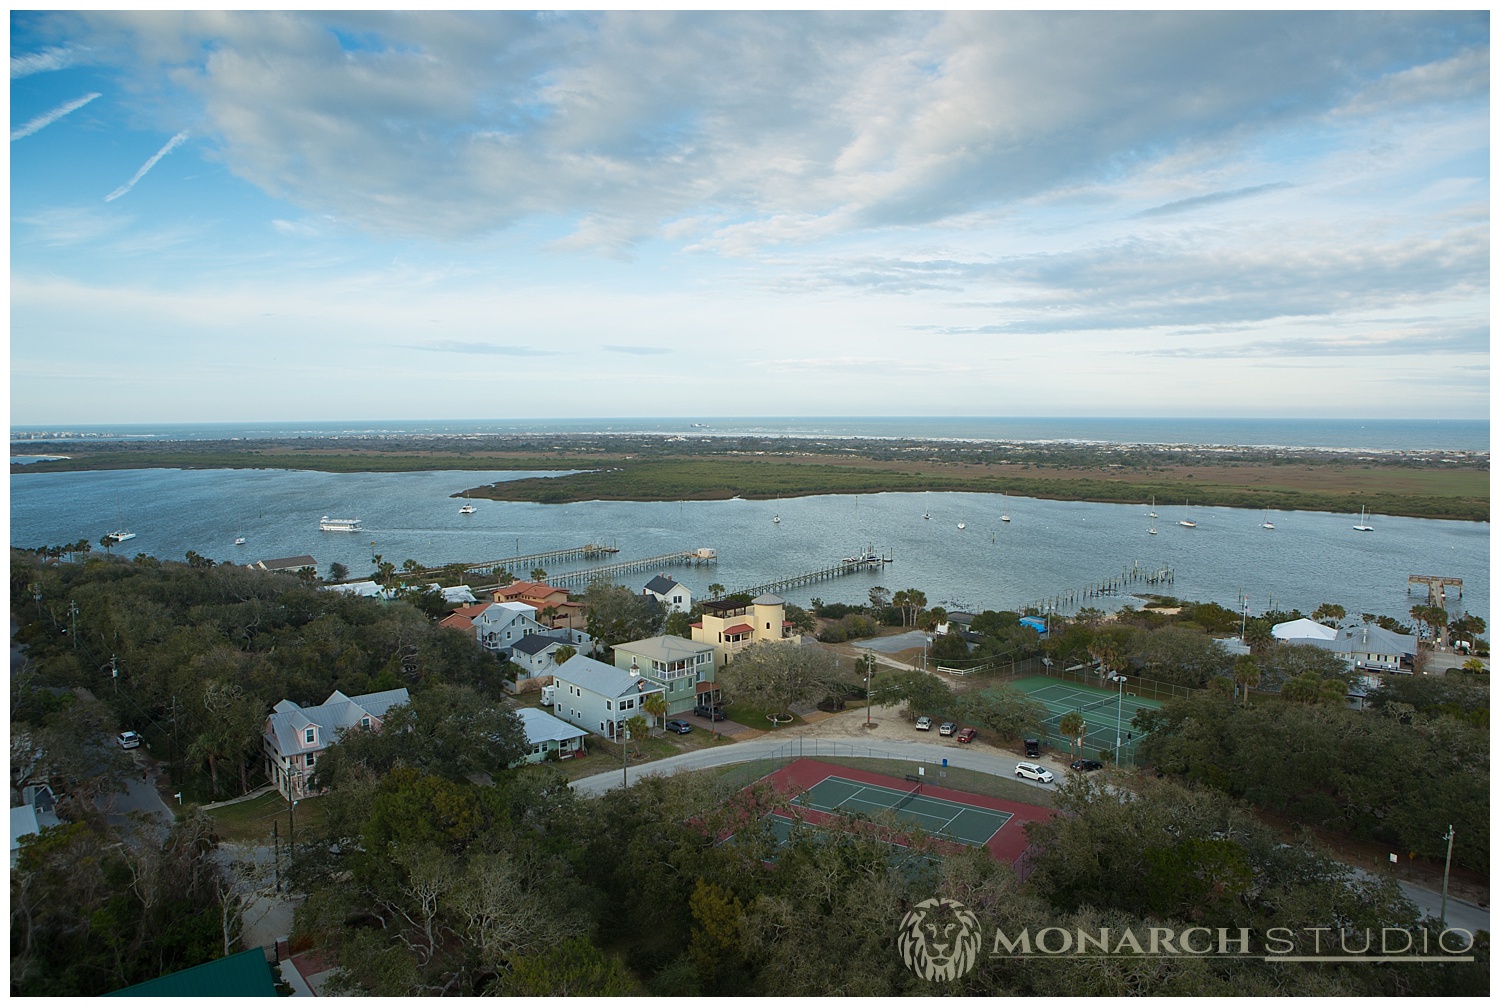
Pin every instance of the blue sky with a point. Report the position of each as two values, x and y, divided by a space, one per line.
298 216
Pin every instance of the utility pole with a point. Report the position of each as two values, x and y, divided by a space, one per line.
276 849
1448 862
73 621
625 757
114 673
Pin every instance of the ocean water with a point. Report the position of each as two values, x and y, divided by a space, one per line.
1333 434
1048 549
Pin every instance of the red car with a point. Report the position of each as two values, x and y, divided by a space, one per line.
967 734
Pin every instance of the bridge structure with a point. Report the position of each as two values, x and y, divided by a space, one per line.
533 560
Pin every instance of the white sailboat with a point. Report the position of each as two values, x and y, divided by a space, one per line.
776 519
1153 529
467 508
1005 518
1187 522
1152 512
927 516
961 526
1265 521
1363 526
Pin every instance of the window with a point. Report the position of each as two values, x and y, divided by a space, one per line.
364 722
312 758
311 735
609 704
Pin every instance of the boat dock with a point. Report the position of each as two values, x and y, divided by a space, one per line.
1128 578
688 557
525 564
869 560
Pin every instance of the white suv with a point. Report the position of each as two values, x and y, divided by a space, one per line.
1032 771
924 723
129 739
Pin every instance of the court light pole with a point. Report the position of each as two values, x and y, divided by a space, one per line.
1119 709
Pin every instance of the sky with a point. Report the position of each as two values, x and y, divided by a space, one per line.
271 216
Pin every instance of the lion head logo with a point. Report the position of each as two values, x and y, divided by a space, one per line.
939 940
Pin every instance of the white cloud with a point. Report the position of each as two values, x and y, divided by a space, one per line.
49 117
53 58
150 163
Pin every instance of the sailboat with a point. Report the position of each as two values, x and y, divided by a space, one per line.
1152 512
1153 529
1186 522
467 508
1005 518
1362 526
239 540
927 516
961 526
776 519
1265 521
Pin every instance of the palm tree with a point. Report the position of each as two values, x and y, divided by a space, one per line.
1073 727
716 591
538 574
1246 674
656 705
563 654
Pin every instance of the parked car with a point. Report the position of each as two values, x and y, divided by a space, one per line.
709 712
1032 771
1033 748
1085 765
967 735
924 723
947 728
679 727
129 739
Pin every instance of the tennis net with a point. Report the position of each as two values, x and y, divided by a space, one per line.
908 798
1094 706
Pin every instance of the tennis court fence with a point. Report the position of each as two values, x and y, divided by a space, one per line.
886 763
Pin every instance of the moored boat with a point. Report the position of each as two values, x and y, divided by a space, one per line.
326 523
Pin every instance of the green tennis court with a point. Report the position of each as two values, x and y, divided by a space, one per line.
935 816
1106 714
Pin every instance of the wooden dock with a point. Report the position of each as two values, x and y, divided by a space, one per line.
869 560
608 571
522 565
1127 580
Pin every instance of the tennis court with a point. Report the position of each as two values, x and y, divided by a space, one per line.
1105 714
933 815
842 798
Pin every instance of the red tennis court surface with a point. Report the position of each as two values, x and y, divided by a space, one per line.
1007 844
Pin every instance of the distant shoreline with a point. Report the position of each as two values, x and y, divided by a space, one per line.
651 467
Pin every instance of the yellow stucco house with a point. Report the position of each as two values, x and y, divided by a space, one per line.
731 626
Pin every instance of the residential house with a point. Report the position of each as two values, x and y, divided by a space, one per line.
670 595
599 697
561 611
683 668
536 655
546 734
460 595
295 736
34 814
731 626
496 626
1371 649
288 564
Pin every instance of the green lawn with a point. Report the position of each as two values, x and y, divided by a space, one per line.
251 821
754 716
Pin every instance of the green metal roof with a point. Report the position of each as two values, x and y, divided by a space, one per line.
246 974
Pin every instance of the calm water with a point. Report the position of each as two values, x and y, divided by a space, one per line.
1048 548
1362 434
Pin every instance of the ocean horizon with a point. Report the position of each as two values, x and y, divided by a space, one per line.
1375 434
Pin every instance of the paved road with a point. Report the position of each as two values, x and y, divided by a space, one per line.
809 748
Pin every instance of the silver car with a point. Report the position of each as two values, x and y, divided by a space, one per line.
924 723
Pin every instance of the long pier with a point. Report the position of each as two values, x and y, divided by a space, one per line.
1108 587
854 564
536 559
688 557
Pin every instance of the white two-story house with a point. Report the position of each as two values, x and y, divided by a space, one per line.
598 697
295 736
670 595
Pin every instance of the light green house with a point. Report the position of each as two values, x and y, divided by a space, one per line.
684 668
